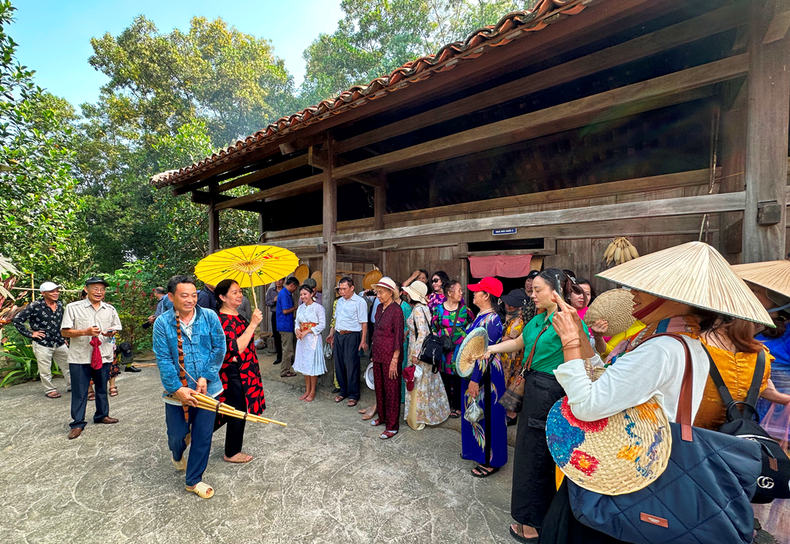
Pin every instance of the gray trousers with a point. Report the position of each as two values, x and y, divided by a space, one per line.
287 339
44 356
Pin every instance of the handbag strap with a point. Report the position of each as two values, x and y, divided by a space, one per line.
684 403
528 366
754 389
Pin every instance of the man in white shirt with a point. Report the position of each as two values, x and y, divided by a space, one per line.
347 338
82 321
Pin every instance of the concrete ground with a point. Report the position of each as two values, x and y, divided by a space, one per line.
327 477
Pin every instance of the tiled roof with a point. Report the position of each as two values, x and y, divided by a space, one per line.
506 30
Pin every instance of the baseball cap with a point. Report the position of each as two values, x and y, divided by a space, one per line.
492 286
48 286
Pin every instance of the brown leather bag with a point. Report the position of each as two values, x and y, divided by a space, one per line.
513 399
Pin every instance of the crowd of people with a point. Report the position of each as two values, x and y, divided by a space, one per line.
539 350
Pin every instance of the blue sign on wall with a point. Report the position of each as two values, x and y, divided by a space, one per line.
497 232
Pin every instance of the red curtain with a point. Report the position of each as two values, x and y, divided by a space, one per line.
504 266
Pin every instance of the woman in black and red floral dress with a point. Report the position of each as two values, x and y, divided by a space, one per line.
241 377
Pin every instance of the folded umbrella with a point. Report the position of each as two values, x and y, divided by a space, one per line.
96 354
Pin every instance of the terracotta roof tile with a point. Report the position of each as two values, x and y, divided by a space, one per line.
506 30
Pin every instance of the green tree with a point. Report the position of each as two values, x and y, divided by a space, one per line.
38 200
377 36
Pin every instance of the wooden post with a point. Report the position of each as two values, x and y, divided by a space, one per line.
767 116
379 210
330 257
213 228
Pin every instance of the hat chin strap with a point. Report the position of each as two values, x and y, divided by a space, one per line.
779 309
649 309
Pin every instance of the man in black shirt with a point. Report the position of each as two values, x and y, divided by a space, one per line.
44 317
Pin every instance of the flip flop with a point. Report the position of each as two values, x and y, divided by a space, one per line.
50 395
484 472
352 403
202 490
180 465
339 398
455 414
521 537
91 395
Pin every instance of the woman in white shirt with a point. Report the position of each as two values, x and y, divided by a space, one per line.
649 366
309 359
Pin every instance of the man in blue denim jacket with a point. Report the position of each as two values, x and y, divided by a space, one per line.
203 345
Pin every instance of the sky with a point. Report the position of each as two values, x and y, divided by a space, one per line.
54 35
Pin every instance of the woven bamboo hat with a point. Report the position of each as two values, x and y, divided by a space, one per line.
372 278
472 349
615 306
613 456
773 275
318 276
301 273
693 274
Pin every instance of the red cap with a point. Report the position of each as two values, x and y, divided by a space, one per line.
492 286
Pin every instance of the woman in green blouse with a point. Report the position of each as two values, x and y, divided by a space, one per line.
533 468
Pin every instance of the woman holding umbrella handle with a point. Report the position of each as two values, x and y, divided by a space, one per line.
240 375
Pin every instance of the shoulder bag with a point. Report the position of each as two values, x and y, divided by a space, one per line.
773 481
702 496
513 399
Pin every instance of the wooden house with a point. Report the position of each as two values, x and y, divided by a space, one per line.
547 134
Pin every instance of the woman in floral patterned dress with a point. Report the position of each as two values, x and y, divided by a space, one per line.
240 375
450 319
428 399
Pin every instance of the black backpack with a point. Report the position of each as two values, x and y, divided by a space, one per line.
774 480
432 352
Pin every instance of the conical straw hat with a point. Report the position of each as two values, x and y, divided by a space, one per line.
318 276
615 306
773 275
693 274
301 273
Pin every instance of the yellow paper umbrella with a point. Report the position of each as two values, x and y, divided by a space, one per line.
249 266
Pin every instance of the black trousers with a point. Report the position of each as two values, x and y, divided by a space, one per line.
234 396
347 363
81 376
278 343
561 527
534 484
455 389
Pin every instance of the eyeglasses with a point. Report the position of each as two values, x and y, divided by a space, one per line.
435 280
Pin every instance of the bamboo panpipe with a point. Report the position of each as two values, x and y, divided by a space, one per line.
208 403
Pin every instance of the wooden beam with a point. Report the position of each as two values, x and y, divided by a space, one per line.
380 202
348 254
264 173
631 210
317 159
673 36
281 191
624 101
213 228
767 118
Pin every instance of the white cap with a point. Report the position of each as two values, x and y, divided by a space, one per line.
48 286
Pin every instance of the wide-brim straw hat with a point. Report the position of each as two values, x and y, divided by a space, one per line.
612 456
472 349
615 306
318 276
301 273
388 283
369 377
372 278
694 274
417 291
773 275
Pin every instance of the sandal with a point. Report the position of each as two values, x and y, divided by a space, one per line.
376 422
483 471
52 395
113 391
368 416
288 375
455 414
339 398
202 490
520 537
180 465
352 403
386 435
91 395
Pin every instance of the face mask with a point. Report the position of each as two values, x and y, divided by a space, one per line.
779 309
